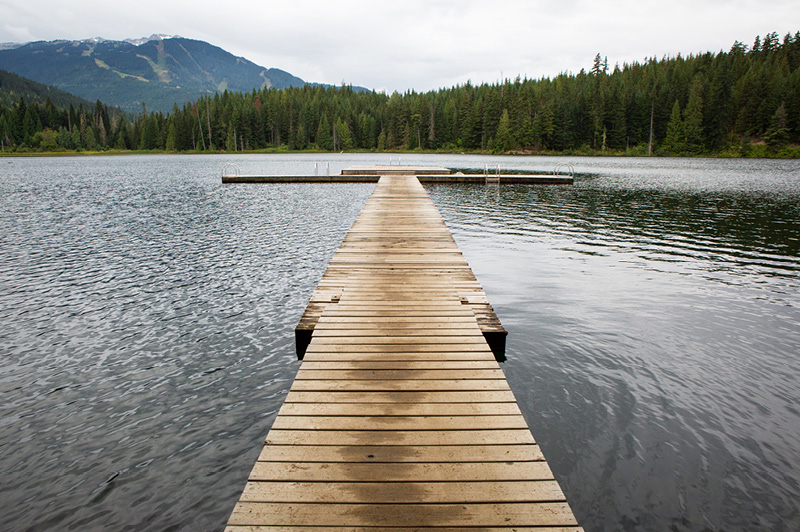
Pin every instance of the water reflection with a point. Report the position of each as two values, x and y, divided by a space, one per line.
147 339
148 312
731 231
652 344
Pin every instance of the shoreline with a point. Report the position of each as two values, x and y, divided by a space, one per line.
792 152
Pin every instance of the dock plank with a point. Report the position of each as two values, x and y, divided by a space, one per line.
403 492
400 437
401 453
399 472
413 515
363 422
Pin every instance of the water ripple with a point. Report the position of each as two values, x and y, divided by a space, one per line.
653 333
148 336
148 313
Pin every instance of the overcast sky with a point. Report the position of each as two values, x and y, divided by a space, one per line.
416 44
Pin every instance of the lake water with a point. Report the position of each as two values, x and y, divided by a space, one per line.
147 339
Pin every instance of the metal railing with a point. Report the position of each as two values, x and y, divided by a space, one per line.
569 167
327 168
233 167
489 178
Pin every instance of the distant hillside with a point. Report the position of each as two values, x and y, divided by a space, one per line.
158 72
14 87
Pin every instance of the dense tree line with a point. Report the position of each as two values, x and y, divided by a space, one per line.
12 87
698 104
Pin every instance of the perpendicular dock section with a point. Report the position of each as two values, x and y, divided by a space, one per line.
400 417
425 174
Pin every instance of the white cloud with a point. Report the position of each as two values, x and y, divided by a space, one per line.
417 44
16 34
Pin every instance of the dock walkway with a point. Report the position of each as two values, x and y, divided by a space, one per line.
400 417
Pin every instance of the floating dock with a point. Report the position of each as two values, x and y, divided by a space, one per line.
434 174
400 417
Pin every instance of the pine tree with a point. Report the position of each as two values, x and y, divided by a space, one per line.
675 141
150 134
777 134
230 141
171 137
299 137
120 144
345 138
89 142
693 118
504 139
382 141
324 139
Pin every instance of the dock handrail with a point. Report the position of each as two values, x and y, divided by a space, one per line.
327 168
234 167
569 167
488 177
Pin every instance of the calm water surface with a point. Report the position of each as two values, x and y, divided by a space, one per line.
147 321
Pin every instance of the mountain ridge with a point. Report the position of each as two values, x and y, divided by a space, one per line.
14 87
153 73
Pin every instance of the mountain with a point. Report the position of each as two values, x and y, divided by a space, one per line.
14 87
159 71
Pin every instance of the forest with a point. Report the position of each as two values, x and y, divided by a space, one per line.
743 102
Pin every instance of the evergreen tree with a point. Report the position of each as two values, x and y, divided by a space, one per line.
5 133
299 138
171 142
345 138
693 119
64 139
120 143
89 141
324 137
777 134
149 139
230 142
382 141
504 139
675 141
76 141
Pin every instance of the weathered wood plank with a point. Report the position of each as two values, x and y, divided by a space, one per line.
402 409
414 515
394 312
375 423
401 453
436 363
399 374
433 341
381 324
399 385
401 396
394 332
292 528
400 437
483 357
402 472
321 347
404 492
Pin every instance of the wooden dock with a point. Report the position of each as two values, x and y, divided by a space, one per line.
400 417
401 233
433 174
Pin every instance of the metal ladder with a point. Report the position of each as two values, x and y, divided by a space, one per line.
488 178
